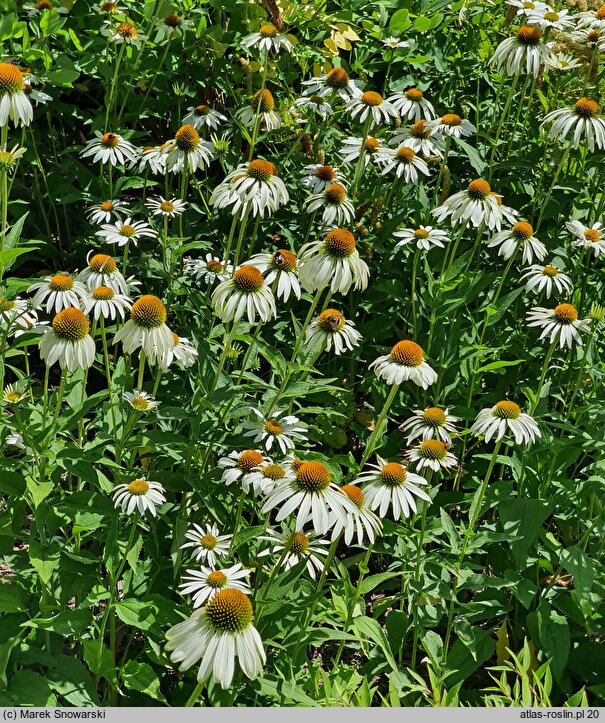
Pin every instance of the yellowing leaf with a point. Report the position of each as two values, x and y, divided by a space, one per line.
502 651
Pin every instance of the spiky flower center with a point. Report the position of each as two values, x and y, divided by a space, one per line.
11 80
405 154
337 78
419 129
479 189
214 266
313 477
229 611
335 193
433 449
274 472
593 36
44 5
127 30
138 487
371 145
354 494
110 140
522 231
140 404
600 14
451 119
529 35
586 108
7 160
268 30
551 16
325 173
414 94
107 206
299 543
101 263
331 321
407 353
340 243
127 230
551 271
317 100
201 110
71 325
187 138
6 304
263 100
566 313
507 410
421 233
216 579
61 282
591 234
103 293
208 542
109 7
434 416
273 427
12 396
173 20
248 279
261 170
284 260
148 312
370 98
249 459
393 474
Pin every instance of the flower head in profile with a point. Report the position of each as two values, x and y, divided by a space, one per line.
17 317
207 544
152 158
146 329
261 110
141 495
371 107
412 105
476 205
423 237
125 231
332 329
504 418
291 548
105 211
395 43
209 269
272 473
430 423
58 292
404 362
351 149
102 270
40 7
559 324
216 634
172 26
14 393
320 176
587 237
245 293
188 150
68 341
519 237
452 125
547 279
244 467
432 454
335 82
253 188
205 583
183 352
8 159
333 203
594 19
582 121
363 522
333 262
109 149
14 103
267 39
389 485
277 429
523 53
280 270
201 116
141 402
564 62
315 104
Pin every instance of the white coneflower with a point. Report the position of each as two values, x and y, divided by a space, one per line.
319 177
105 211
391 485
424 237
68 341
8 159
316 104
333 203
560 323
41 6
452 125
476 205
17 317
104 302
563 62
432 454
404 162
592 18
244 467
278 429
421 138
430 423
209 269
364 522
412 105
14 103
351 149
272 473
332 329
587 237
334 81
125 231
207 544
245 293
141 495
267 38
582 121
525 52
404 362
524 7
592 37
394 42
152 158
252 187
123 33
110 8
281 269
506 416
102 270
312 495
166 207
547 279
371 106
14 393
300 548
549 19
205 583
146 329
109 148
141 402
202 115
520 236
260 109
172 26
188 149
333 262
183 352
59 291
216 634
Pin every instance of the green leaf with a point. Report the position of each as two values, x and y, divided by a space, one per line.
68 622
71 681
370 628
44 560
14 235
30 689
475 158
374 580
142 678
580 566
12 483
400 21
13 598
550 632
523 519
138 614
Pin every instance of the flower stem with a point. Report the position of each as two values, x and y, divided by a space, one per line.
509 100
195 695
60 395
362 154
378 426
547 359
